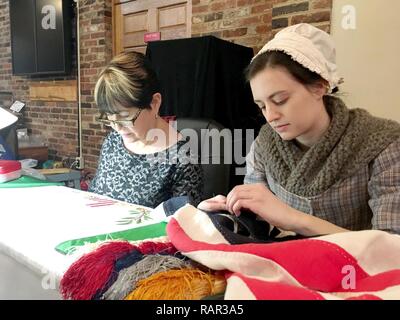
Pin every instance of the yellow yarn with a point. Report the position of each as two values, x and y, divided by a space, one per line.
183 284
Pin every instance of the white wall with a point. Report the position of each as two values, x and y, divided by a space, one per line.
368 57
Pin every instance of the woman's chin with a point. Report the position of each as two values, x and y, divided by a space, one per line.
129 137
286 136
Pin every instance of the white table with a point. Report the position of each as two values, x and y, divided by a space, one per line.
33 221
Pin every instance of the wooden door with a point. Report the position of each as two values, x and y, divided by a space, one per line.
133 19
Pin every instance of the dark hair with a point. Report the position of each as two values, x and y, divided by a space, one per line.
127 81
278 58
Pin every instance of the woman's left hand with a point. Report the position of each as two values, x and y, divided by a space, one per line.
260 200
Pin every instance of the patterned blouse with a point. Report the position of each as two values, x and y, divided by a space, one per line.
146 179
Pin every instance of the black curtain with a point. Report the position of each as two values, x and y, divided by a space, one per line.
203 77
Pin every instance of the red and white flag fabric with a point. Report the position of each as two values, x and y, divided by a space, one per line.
351 265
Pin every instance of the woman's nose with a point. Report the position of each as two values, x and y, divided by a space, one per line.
271 114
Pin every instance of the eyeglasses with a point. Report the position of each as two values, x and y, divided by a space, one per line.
123 123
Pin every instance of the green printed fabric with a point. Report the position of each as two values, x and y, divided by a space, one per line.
140 233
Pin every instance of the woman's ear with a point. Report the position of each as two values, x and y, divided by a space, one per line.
156 102
319 89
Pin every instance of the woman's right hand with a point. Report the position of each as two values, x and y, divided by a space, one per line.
216 203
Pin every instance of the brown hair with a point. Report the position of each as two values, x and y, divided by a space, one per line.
278 58
127 81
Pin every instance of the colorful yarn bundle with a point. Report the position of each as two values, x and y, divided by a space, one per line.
124 262
184 284
144 248
151 264
86 276
148 270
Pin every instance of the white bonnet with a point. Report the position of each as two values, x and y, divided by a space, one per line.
311 47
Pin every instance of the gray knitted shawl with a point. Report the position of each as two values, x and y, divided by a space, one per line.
353 139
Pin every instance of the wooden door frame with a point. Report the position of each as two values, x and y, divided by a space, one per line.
148 2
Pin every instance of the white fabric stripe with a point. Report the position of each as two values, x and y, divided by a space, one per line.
248 265
236 289
390 293
328 296
198 225
371 249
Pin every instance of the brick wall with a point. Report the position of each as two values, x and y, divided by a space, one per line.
57 122
96 51
247 22
5 52
253 22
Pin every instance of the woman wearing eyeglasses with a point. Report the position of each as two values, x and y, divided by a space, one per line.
316 167
142 160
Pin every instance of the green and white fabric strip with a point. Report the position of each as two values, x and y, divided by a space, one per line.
139 233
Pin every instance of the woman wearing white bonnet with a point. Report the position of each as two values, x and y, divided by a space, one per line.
316 167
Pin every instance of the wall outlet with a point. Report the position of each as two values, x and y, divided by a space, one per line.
79 162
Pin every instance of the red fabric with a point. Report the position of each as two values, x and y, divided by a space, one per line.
298 269
89 274
264 290
326 275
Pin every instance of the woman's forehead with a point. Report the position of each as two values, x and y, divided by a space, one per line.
120 110
273 74
271 80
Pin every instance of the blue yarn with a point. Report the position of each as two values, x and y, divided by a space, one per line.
128 260
124 262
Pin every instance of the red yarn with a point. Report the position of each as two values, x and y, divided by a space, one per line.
150 247
89 274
